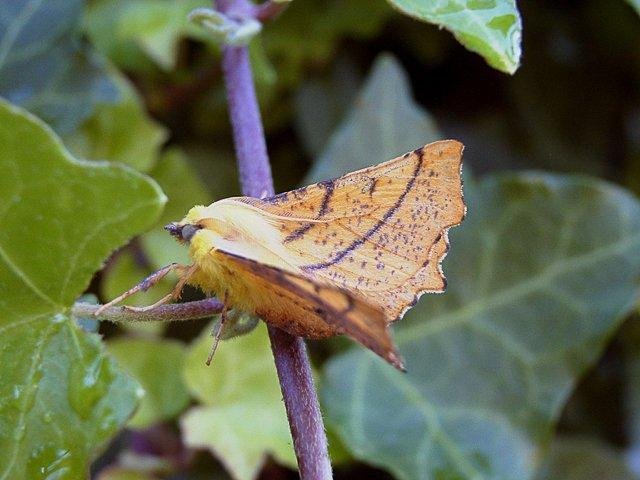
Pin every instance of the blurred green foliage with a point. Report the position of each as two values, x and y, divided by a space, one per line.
367 135
583 459
45 67
120 131
138 34
157 365
242 417
541 275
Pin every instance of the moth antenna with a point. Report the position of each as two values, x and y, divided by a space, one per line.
217 330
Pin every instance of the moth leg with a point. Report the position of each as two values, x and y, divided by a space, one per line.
217 329
143 286
185 274
150 281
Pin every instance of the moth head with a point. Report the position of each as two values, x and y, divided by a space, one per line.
182 232
210 219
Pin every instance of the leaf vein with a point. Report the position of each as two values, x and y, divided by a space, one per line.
23 277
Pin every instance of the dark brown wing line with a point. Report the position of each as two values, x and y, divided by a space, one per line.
324 207
360 241
277 274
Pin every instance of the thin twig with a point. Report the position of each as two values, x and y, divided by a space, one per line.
292 363
170 312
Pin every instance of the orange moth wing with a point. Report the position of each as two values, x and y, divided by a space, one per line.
380 232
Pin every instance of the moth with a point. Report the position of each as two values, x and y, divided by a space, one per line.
345 256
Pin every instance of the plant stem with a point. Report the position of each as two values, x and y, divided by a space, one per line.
170 312
292 363
248 135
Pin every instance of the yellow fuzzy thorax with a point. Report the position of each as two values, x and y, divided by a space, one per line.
234 228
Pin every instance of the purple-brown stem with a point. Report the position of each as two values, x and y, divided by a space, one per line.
165 313
292 363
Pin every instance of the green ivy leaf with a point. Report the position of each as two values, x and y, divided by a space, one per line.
120 131
491 28
242 418
157 365
583 459
45 67
384 122
540 274
61 397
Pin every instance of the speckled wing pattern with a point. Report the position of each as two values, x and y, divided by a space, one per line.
380 232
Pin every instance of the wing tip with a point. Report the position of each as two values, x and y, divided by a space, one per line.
394 358
447 146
